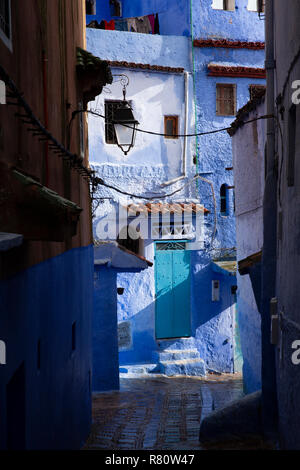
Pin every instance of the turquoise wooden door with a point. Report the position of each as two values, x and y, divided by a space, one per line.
172 284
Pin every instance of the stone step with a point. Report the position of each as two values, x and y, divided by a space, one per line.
179 343
138 369
177 354
193 367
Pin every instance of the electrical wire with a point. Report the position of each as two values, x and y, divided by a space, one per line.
99 181
94 113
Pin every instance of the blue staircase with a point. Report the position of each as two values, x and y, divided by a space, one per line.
180 362
174 357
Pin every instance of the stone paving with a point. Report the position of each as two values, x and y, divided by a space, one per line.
158 413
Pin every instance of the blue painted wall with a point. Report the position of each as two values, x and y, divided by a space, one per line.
212 322
215 151
174 18
41 304
105 326
240 24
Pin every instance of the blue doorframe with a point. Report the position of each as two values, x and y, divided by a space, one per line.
173 289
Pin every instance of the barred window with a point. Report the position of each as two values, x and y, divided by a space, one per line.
226 99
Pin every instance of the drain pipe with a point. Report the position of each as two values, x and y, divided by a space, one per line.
186 114
269 394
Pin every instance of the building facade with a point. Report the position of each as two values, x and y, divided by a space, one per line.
191 82
46 252
248 148
281 222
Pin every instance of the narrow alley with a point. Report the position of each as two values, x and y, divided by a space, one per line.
162 413
149 226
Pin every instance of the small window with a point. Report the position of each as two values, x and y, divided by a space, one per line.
226 99
129 243
74 336
256 5
171 127
224 199
228 5
90 7
110 107
5 22
291 145
115 8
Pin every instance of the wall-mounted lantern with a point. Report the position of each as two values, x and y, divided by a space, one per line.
124 122
125 126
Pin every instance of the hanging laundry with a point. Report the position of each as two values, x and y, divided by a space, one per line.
121 25
132 25
109 25
156 25
152 22
94 24
143 25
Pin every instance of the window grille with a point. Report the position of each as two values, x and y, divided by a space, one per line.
170 246
171 229
226 99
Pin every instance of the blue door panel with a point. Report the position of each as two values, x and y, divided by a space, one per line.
172 275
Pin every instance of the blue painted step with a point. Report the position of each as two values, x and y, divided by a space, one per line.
180 362
192 367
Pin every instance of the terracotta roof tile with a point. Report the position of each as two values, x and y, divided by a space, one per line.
163 208
235 71
134 65
225 43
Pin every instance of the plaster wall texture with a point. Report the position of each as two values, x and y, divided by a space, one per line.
239 24
288 254
105 327
215 150
41 304
154 159
249 173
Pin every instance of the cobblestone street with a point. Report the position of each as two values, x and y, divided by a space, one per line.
158 413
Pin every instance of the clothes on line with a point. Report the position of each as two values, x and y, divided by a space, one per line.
143 24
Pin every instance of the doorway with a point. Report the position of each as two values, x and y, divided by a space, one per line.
172 287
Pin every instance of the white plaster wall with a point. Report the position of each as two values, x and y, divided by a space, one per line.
248 160
152 95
